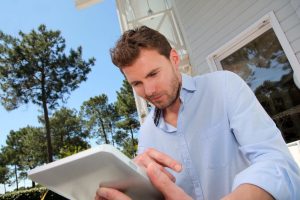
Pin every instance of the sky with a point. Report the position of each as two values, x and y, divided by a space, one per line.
95 28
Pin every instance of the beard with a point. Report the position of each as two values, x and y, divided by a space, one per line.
171 96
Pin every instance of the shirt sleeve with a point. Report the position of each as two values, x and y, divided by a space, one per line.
260 141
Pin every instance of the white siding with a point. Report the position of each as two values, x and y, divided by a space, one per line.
296 5
296 47
209 24
296 42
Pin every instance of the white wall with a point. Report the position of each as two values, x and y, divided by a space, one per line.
208 24
296 43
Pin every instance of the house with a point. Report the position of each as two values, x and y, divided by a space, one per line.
257 39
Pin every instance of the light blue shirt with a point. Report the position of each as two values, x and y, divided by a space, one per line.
223 138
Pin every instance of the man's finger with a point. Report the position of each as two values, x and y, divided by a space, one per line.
162 182
171 177
110 194
164 160
144 160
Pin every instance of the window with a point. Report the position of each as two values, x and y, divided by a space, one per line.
261 55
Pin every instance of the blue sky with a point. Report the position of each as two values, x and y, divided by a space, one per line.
95 28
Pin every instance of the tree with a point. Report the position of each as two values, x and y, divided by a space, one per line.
97 112
124 142
35 68
69 135
125 100
112 118
129 149
130 125
33 144
4 177
24 150
11 153
4 172
126 108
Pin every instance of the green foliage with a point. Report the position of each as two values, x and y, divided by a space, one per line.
120 136
130 147
125 100
25 147
12 152
70 150
24 150
68 133
99 116
32 194
33 145
128 122
13 148
4 175
35 68
4 170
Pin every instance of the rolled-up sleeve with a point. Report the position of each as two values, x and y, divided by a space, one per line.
272 166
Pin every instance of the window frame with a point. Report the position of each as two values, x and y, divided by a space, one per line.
255 30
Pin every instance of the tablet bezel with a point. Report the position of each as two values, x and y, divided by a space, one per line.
79 176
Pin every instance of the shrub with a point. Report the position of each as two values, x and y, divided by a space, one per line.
31 194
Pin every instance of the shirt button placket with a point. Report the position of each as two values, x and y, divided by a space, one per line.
187 160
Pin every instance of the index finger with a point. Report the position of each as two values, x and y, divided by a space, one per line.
169 189
164 159
110 194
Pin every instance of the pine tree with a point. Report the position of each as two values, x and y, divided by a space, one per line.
35 68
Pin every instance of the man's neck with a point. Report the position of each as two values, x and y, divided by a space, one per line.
170 114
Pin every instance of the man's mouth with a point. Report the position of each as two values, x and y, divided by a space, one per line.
154 98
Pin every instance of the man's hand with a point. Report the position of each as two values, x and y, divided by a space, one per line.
158 178
154 163
160 160
162 182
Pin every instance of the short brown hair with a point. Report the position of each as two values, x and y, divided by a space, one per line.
129 45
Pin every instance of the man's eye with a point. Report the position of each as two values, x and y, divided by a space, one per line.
153 74
135 84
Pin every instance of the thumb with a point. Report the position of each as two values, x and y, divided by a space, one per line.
165 185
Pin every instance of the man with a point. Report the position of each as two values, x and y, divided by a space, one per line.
209 131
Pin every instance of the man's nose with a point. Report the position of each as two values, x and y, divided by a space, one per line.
149 88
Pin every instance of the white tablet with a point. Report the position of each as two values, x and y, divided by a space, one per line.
77 177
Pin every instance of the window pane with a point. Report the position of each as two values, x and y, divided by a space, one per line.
263 64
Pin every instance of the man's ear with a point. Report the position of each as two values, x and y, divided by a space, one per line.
174 58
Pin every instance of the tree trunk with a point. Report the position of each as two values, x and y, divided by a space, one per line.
32 184
112 134
4 188
48 133
47 124
132 141
16 173
103 131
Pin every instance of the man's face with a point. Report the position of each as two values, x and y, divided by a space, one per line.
155 78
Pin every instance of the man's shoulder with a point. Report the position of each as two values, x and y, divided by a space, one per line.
214 75
210 79
213 79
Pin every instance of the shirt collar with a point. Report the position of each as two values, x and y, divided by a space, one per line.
187 83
